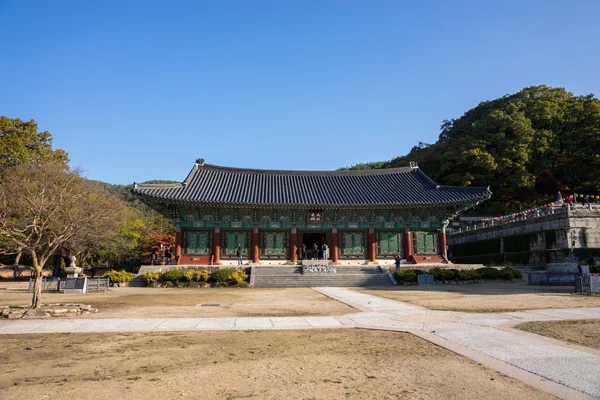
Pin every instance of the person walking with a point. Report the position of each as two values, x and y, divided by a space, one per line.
325 249
167 257
397 259
239 254
153 258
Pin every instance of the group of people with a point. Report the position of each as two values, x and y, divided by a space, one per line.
154 260
318 252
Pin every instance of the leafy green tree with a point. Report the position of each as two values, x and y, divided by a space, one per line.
21 142
526 146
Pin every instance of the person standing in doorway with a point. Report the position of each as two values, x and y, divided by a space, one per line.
325 249
239 254
304 252
315 254
397 259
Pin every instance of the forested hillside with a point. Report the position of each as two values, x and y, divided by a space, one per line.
526 146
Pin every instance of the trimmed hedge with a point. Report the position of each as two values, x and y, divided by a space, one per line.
178 278
445 274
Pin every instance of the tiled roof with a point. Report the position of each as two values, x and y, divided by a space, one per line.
407 186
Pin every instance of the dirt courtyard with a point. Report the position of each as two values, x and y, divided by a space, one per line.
135 302
315 364
480 298
582 332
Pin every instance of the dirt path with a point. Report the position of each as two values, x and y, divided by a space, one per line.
317 364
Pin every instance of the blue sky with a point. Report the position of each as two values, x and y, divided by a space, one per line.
138 90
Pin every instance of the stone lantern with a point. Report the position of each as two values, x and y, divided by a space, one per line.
73 270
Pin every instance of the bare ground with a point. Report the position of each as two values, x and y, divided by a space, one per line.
582 332
183 303
317 364
481 298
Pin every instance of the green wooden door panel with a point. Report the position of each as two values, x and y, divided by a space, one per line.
426 243
274 243
231 242
196 243
352 243
389 243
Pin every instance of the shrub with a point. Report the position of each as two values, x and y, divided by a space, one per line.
221 276
407 276
119 276
510 273
489 273
418 271
239 276
437 272
243 284
468 274
449 274
174 275
152 278
196 276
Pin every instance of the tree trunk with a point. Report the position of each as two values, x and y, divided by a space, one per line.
37 289
17 259
38 264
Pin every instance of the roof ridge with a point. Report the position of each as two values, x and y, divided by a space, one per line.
354 172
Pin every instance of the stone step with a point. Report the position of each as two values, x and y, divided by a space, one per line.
324 279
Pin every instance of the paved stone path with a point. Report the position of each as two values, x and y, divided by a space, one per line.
487 334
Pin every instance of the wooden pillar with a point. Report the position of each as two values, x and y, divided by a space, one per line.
408 243
217 245
372 247
255 245
178 244
443 246
334 245
294 245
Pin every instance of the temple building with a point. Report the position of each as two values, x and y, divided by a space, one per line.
364 216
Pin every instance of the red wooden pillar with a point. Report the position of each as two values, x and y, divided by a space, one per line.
443 246
294 245
372 248
217 246
408 243
255 245
178 244
334 245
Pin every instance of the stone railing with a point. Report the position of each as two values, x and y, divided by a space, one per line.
470 226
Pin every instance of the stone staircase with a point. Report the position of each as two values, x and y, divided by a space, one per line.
346 276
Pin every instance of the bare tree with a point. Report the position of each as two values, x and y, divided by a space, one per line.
42 207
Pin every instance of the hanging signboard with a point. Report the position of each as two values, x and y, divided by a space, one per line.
313 217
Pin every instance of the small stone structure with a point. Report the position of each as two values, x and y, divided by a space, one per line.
555 274
46 311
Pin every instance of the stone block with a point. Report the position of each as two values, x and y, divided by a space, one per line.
31 314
